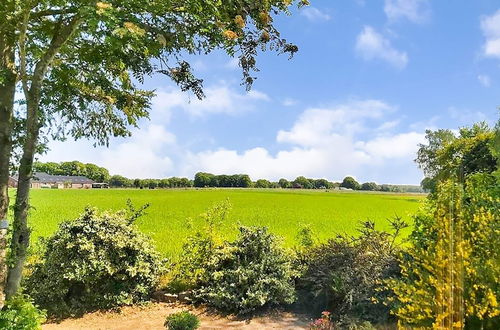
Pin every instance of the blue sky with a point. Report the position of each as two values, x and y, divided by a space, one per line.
369 78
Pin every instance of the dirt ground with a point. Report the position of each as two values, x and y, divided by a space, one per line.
153 315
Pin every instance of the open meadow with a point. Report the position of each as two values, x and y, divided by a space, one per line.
283 211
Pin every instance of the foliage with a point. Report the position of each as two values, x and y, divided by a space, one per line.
96 261
182 321
247 274
202 179
370 186
263 183
91 171
302 182
350 183
20 314
455 251
201 246
344 274
447 155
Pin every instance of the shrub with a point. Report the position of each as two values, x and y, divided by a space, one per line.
343 275
182 321
455 252
99 260
20 314
247 274
201 246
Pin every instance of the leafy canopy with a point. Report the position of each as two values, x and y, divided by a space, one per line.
87 58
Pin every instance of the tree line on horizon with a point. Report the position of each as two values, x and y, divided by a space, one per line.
209 180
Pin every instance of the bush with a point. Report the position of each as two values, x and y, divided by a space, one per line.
343 275
182 321
20 314
99 260
247 274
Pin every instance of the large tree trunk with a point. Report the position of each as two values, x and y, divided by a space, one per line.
7 92
21 233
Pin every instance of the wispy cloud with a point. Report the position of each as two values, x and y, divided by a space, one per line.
484 80
313 14
491 30
371 45
416 11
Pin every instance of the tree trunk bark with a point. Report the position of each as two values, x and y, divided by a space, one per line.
7 92
21 233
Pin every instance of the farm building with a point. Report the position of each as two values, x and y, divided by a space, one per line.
44 180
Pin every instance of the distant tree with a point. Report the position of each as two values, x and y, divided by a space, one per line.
119 181
202 179
152 183
370 186
73 168
262 183
137 183
49 168
322 184
350 183
163 183
284 183
244 181
96 173
302 182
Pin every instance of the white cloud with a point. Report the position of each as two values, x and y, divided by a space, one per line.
288 102
416 11
491 30
314 14
353 138
484 80
140 156
371 45
388 125
324 142
219 100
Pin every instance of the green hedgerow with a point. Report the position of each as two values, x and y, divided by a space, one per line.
99 260
182 321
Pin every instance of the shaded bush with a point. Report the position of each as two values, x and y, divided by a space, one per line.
344 275
182 321
20 314
247 274
99 260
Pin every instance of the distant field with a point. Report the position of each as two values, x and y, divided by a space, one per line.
282 212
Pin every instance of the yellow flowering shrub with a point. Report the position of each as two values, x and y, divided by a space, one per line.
450 273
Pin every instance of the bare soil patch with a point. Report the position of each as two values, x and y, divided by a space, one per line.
153 315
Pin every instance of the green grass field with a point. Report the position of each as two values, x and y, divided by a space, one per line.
282 212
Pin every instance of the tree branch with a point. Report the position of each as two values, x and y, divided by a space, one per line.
53 12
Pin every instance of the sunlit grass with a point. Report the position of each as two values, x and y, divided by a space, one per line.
328 213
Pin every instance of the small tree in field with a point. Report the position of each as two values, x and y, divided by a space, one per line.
77 63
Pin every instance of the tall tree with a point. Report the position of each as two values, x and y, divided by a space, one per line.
77 63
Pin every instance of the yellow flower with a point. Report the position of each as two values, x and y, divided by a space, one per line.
103 5
132 28
265 36
231 35
264 18
239 21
